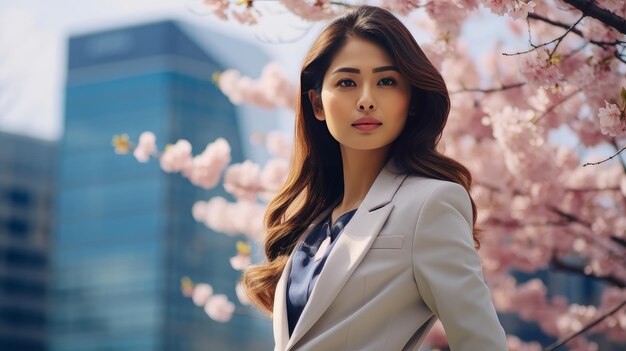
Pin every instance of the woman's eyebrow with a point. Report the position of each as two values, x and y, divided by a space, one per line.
356 70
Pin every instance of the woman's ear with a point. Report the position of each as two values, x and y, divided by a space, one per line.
316 103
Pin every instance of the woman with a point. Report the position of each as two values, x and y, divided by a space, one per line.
372 237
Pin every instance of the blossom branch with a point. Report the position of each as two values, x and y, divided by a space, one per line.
558 41
551 108
619 54
619 241
600 318
589 8
567 218
558 264
611 251
609 158
489 90
616 188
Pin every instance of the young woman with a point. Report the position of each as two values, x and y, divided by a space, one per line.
372 237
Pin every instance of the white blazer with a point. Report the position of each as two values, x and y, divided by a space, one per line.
404 259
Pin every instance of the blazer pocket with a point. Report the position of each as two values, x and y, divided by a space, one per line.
388 242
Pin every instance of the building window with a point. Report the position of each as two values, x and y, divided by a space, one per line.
23 258
19 197
22 287
17 227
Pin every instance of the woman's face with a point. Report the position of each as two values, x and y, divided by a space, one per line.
362 81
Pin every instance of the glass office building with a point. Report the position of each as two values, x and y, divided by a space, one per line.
125 235
26 191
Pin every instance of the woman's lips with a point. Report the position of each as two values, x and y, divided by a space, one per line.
366 127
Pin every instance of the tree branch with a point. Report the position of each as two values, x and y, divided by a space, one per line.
588 8
600 318
603 44
557 264
610 157
554 23
489 90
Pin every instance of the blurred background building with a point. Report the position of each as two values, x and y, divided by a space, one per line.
27 169
124 234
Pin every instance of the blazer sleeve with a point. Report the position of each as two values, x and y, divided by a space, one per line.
449 274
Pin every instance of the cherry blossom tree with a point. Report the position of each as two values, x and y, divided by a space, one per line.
545 203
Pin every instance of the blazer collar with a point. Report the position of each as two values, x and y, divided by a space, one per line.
349 250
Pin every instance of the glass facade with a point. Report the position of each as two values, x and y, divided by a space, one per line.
124 234
26 186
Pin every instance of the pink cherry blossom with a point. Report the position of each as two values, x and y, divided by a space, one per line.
401 7
616 6
240 262
212 213
241 294
528 156
219 308
201 294
199 211
448 16
205 169
575 318
310 12
271 90
612 120
467 4
514 343
276 87
242 217
588 131
615 324
216 7
245 16
227 82
176 157
513 8
242 180
436 52
595 30
598 79
538 70
146 147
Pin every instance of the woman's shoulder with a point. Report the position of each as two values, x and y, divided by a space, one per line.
421 183
418 190
418 193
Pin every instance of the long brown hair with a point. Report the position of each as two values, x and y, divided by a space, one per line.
315 179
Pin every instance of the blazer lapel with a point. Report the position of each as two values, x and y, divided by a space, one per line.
279 312
349 250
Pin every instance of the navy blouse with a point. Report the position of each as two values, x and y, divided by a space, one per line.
305 269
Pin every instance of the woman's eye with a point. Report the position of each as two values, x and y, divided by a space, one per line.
388 80
342 81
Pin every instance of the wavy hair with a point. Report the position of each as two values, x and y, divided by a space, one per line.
315 179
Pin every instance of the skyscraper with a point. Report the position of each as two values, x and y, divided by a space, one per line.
26 190
125 235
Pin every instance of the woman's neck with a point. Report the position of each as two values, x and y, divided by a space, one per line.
360 169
